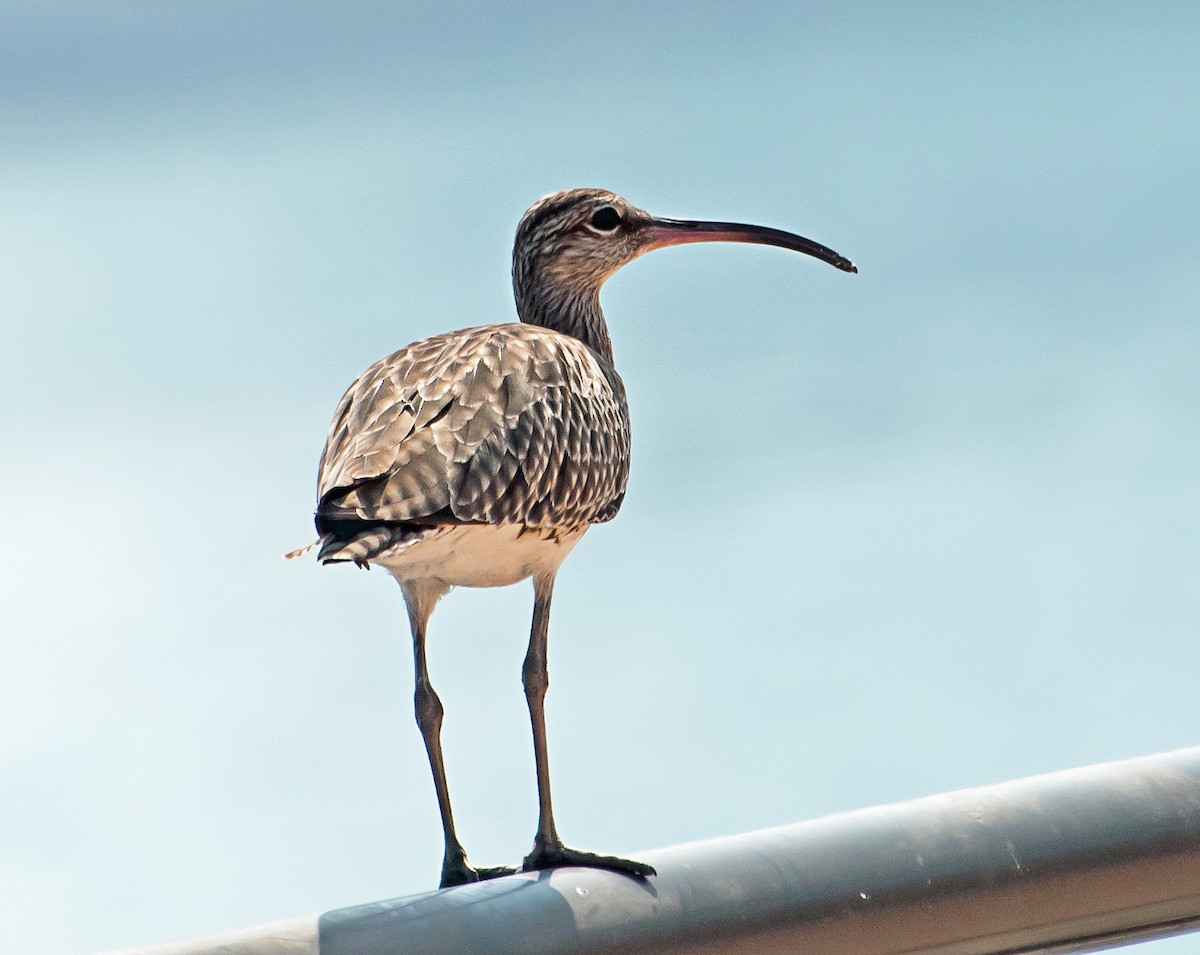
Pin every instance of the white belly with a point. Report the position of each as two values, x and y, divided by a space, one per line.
481 555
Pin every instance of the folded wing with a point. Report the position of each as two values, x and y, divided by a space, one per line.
499 424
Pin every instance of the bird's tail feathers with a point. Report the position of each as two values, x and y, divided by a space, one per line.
384 540
300 551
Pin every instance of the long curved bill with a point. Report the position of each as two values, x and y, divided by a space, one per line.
664 232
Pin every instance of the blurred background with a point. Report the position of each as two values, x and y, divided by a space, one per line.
927 527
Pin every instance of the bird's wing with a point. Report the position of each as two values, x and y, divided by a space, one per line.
498 424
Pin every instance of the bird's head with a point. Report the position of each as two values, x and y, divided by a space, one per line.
578 238
568 243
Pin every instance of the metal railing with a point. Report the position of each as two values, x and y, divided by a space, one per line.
1073 861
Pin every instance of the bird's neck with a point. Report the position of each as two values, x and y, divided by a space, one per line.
569 311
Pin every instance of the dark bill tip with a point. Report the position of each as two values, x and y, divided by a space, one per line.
664 232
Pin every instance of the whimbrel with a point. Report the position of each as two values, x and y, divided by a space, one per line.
480 457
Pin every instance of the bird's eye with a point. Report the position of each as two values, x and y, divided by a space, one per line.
605 219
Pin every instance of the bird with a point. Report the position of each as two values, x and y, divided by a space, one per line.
480 457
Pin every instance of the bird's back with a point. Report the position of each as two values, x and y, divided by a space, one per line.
500 424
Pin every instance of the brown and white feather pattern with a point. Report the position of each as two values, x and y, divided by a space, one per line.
501 424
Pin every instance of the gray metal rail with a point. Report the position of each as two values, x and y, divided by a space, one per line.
1073 861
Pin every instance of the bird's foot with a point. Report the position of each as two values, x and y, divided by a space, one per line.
544 857
460 872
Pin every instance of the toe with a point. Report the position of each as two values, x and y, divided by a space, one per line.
562 856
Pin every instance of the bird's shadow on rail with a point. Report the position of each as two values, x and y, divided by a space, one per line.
558 901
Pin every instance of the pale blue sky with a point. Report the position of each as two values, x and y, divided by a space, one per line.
931 526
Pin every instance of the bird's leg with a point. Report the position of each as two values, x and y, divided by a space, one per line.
456 870
548 849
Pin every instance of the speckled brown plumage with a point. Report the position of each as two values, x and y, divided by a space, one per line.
502 424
